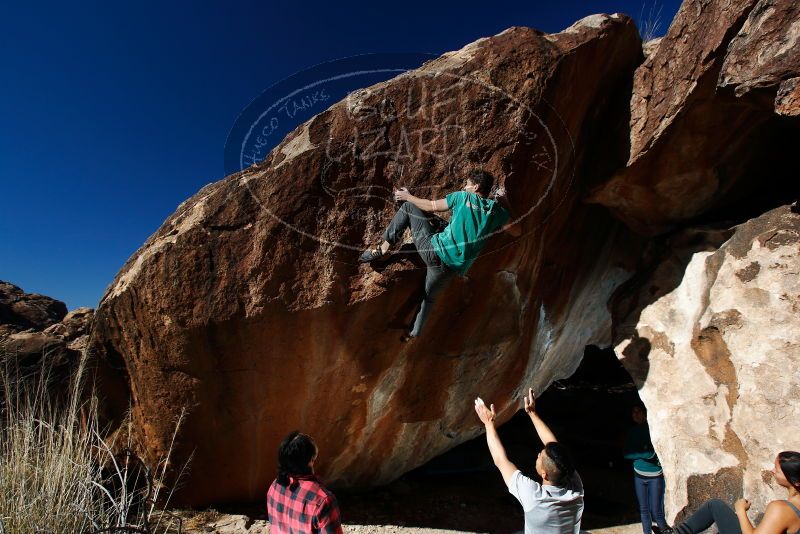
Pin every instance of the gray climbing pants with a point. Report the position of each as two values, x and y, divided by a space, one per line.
423 227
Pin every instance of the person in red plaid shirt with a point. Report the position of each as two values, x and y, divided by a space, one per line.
297 502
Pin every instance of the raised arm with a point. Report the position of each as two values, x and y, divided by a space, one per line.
496 448
513 228
424 204
544 432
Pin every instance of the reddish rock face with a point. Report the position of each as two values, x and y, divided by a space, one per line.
247 307
703 129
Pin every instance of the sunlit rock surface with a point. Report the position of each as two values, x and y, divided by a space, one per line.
712 337
705 128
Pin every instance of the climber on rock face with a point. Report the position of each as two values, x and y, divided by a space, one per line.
452 250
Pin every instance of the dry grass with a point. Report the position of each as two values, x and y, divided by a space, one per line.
650 24
57 474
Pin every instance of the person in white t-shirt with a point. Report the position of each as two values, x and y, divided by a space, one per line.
556 505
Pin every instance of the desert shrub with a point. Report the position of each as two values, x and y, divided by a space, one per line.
57 472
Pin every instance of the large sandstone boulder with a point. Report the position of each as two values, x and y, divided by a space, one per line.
705 131
711 335
712 132
247 306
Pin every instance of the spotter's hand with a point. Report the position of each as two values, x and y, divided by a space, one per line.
530 402
485 414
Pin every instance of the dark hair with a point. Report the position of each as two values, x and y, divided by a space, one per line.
558 463
790 465
639 404
483 180
294 454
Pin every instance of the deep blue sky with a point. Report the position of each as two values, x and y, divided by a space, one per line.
113 113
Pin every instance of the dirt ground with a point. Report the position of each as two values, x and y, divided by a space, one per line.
463 502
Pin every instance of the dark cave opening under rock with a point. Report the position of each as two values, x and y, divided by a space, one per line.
767 177
462 490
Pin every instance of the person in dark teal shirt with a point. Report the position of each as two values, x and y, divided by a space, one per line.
648 477
475 217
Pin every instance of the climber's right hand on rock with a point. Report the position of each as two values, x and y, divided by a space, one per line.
401 195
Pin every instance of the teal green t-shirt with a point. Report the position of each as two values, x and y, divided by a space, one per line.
639 449
474 219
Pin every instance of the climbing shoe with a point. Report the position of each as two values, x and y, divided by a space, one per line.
370 255
406 337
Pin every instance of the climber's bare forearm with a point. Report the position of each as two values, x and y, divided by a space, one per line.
428 205
513 229
498 453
